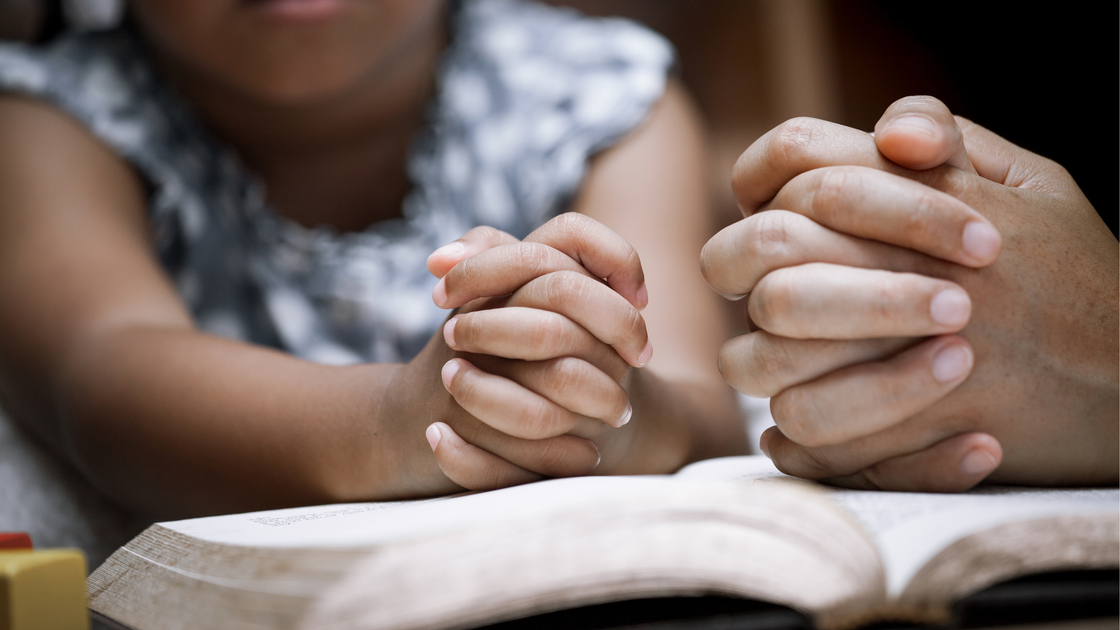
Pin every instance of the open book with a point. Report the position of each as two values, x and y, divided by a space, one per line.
732 526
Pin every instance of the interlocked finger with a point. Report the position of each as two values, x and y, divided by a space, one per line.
500 271
560 456
797 146
888 208
760 364
735 259
824 301
471 467
900 459
599 250
529 334
597 308
952 465
867 398
475 241
505 405
572 383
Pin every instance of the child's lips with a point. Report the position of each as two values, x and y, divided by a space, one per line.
298 9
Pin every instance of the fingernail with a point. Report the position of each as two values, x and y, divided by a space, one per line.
950 308
433 435
915 123
439 294
449 332
642 296
980 240
951 363
450 249
764 443
448 372
977 462
646 355
625 416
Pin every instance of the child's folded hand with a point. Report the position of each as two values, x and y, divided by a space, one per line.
544 347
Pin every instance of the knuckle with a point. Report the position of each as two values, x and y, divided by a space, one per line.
709 267
542 419
634 325
566 456
483 233
546 334
771 362
632 260
529 256
463 388
865 479
486 475
796 413
815 463
792 141
564 373
794 459
872 478
768 237
953 182
882 300
770 303
467 334
829 193
552 456
563 287
1050 170
570 222
920 223
739 365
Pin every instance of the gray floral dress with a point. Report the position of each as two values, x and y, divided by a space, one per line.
526 94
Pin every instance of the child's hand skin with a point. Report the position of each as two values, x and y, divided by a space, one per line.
555 343
858 395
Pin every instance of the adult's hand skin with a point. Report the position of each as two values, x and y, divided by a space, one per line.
906 343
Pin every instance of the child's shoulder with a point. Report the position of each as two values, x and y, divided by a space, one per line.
80 72
104 81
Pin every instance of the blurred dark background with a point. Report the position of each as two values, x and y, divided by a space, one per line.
1041 75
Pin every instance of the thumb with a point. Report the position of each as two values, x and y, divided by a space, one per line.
999 160
919 133
473 242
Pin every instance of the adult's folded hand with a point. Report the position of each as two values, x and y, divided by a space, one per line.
922 329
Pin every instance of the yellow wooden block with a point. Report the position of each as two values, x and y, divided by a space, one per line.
43 589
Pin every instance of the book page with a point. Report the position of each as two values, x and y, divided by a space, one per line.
910 528
370 524
747 467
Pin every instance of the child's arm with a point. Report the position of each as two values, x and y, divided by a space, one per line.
99 356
